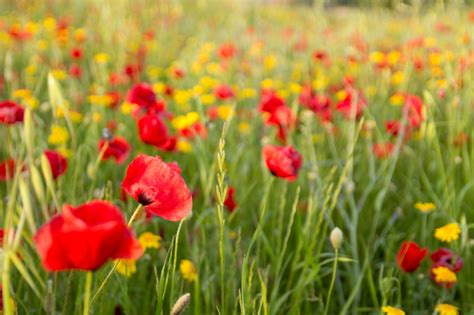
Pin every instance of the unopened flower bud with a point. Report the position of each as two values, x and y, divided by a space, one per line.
336 238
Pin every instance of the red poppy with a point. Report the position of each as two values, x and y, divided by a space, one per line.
152 130
114 98
118 148
319 104
143 95
57 162
76 53
224 92
283 162
75 71
159 187
169 145
269 101
229 201
227 51
197 129
7 170
410 256
414 110
352 104
11 113
383 150
86 237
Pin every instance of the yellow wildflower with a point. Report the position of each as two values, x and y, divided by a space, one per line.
59 74
96 117
397 78
390 310
126 108
448 233
185 121
150 240
101 58
244 127
397 99
159 87
208 99
425 207
444 274
188 271
184 146
377 57
269 62
224 111
59 135
126 267
247 93
446 309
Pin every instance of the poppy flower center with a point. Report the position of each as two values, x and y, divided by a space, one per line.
144 199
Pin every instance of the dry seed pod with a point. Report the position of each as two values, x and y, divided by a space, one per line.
181 304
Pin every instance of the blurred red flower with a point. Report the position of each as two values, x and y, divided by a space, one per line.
410 256
11 113
159 187
152 130
86 237
57 162
229 201
224 92
283 162
7 169
143 95
383 150
117 148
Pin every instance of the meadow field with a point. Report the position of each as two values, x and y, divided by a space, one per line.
234 157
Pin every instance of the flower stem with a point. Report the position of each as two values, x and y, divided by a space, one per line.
333 279
87 292
134 214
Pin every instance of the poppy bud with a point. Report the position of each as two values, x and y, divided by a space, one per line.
336 238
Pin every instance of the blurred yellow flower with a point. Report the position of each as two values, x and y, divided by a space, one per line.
80 34
59 74
390 310
448 233
101 58
188 271
444 274
224 111
150 240
425 207
96 117
393 57
446 309
397 78
397 99
247 93
269 62
244 127
159 87
126 267
59 135
49 24
185 121
184 146
126 108
21 93
208 99
377 57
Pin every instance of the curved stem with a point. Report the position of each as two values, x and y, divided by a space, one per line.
333 280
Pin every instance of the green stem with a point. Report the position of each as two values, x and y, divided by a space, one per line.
333 279
87 293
